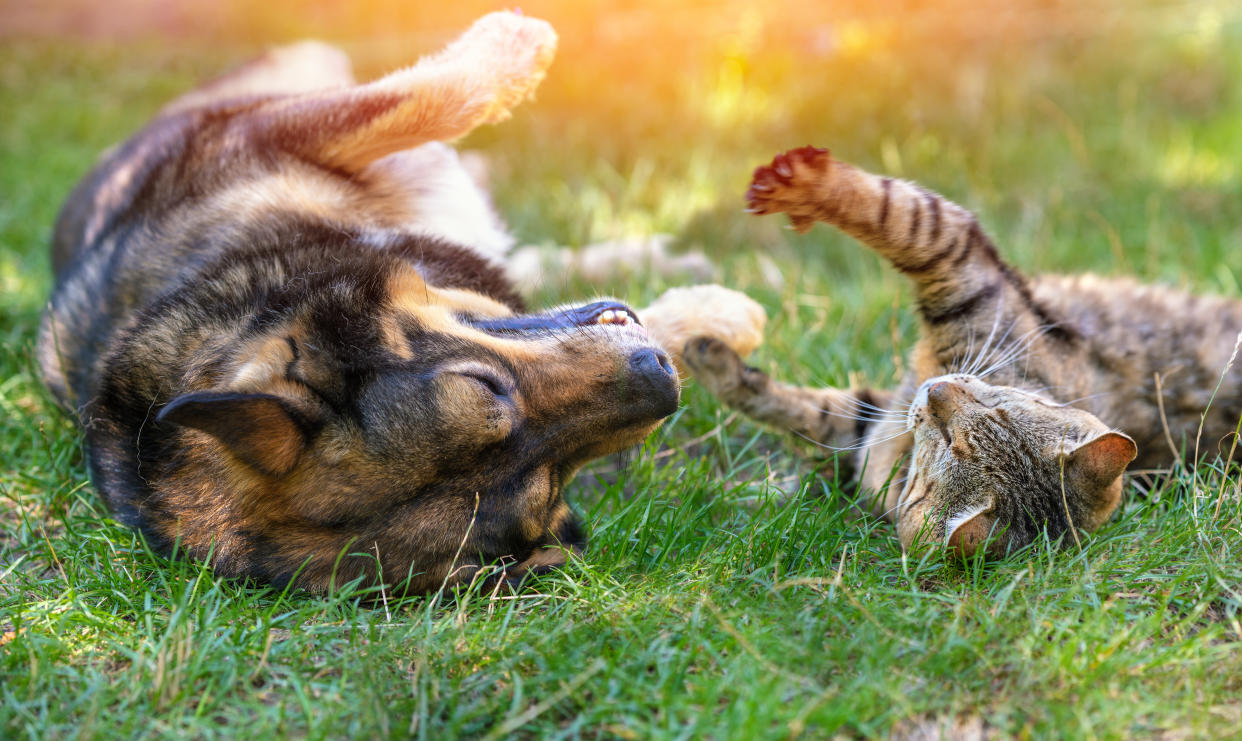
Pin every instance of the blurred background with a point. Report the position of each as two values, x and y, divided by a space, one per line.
1097 135
1101 135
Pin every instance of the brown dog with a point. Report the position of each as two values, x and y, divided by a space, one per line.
281 317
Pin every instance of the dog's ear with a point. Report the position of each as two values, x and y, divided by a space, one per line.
268 433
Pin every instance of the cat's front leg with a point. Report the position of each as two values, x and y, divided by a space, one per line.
840 420
938 244
965 292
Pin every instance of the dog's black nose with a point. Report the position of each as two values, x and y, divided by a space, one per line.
653 363
655 382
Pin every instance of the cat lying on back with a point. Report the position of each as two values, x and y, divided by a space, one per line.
1026 398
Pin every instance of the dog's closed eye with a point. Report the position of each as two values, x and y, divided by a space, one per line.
489 381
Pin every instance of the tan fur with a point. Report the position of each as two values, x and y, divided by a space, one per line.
262 364
303 189
474 81
680 314
292 345
953 457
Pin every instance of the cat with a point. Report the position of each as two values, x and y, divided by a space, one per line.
1027 397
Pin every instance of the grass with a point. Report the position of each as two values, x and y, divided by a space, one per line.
728 592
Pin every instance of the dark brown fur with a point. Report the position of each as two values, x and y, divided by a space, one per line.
1071 363
280 370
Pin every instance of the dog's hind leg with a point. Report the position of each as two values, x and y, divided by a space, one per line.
475 80
297 68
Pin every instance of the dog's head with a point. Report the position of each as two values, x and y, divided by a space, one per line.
366 410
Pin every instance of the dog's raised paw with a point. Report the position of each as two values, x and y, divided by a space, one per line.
511 52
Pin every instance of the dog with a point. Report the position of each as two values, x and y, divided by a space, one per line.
282 318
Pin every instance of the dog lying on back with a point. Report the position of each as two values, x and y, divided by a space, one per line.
282 319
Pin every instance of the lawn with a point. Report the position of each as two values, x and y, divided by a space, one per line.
728 591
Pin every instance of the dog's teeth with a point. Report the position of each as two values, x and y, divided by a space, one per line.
613 316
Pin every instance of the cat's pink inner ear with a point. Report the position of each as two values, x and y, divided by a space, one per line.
1099 462
966 537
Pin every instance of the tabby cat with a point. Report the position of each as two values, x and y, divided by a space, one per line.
1026 398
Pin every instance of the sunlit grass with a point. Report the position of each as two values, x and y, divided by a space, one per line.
729 591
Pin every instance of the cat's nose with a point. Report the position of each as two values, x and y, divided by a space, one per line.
942 401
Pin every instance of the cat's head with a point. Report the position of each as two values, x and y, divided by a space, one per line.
1000 462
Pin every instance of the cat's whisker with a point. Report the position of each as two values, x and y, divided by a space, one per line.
1020 347
1008 344
867 405
861 406
857 445
963 362
1088 397
1000 365
989 358
875 416
975 361
978 360
893 417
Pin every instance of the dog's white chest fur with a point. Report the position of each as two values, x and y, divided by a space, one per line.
440 198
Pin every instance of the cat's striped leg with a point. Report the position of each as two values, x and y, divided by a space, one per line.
858 420
940 246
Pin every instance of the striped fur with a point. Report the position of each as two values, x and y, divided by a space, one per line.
977 434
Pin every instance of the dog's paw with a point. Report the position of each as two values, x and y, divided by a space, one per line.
720 369
791 184
508 53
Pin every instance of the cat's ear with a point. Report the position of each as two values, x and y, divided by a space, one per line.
1097 464
1094 469
268 433
966 531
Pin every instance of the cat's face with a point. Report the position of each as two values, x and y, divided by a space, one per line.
1002 462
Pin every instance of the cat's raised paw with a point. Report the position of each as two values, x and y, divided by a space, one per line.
790 185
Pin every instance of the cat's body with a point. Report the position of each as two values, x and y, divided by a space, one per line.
1026 398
